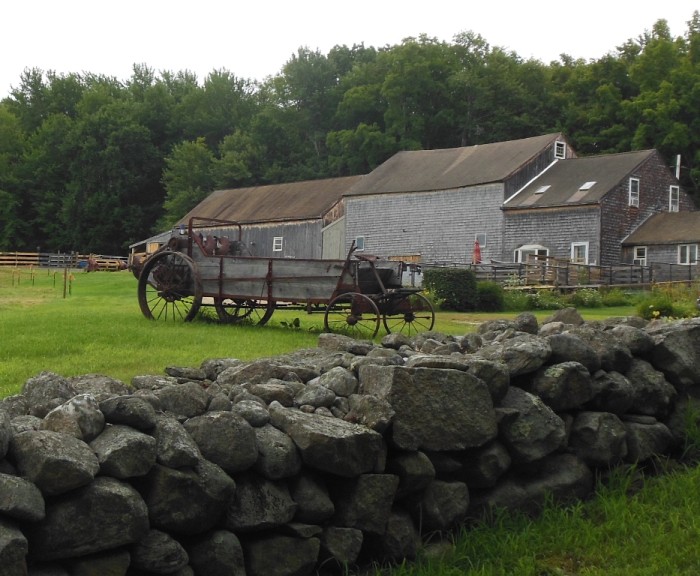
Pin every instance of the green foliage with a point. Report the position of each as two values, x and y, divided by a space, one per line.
585 298
616 297
455 288
490 296
673 301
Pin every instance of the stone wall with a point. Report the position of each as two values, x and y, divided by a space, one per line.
334 456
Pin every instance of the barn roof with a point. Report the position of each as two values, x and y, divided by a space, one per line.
448 168
667 228
306 200
578 180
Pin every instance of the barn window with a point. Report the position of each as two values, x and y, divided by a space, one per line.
277 243
688 254
560 150
579 252
634 192
674 195
640 256
360 243
531 252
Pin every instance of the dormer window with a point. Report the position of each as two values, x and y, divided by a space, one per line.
634 192
674 195
559 150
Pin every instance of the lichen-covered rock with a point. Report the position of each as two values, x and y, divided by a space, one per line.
364 502
259 504
277 455
279 555
598 438
124 452
13 549
314 504
20 499
562 386
80 417
129 410
45 392
159 553
676 351
652 394
175 448
217 553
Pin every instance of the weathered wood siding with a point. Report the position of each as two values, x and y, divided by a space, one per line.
334 240
619 219
553 228
439 225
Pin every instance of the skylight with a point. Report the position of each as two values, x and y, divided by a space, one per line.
587 185
542 189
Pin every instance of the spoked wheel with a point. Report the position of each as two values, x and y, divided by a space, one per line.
353 314
410 315
169 288
238 310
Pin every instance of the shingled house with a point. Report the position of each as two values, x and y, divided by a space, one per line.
581 209
431 205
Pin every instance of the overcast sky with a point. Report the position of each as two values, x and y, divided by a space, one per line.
254 38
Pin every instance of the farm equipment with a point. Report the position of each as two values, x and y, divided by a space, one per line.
202 266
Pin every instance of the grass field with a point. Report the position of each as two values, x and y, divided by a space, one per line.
98 328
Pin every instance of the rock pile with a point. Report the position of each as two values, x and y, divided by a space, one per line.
333 456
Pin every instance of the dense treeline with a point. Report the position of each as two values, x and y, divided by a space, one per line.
93 163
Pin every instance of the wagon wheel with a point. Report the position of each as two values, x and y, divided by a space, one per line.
410 315
353 314
169 288
238 310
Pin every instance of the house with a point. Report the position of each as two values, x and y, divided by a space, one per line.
581 209
669 242
292 220
431 205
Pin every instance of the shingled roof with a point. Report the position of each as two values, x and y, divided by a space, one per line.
444 169
305 200
578 180
667 228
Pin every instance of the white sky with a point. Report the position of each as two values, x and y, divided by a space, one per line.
254 38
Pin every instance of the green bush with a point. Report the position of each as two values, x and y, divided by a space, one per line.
585 298
455 288
490 296
656 306
615 297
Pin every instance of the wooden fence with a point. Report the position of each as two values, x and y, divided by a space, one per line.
547 272
62 260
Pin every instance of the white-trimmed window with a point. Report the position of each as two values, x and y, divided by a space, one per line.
277 242
359 243
579 252
530 252
634 192
674 198
688 254
481 239
560 150
639 257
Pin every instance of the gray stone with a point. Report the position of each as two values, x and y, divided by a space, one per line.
375 413
220 402
340 380
45 392
565 316
25 423
612 392
485 466
259 504
20 499
494 374
567 347
364 502
124 452
129 410
341 343
676 351
443 506
652 394
13 549
639 342
224 438
434 409
277 555
175 448
329 444
340 545
188 501
56 463
315 395
5 433
98 385
159 553
414 470
277 455
614 354
598 438
188 399
117 514
80 417
15 405
522 354
214 366
110 563
532 429
217 553
314 504
562 386
646 439
253 411
186 372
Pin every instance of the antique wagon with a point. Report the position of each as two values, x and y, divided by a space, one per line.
203 266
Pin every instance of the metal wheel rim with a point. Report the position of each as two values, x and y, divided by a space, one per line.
342 316
169 288
418 317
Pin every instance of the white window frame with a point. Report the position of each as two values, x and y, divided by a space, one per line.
481 239
688 254
560 150
639 255
359 243
277 243
674 198
534 249
634 192
574 247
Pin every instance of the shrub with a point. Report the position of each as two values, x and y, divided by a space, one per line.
454 287
490 296
615 297
585 298
656 306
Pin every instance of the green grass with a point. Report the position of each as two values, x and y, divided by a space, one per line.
99 328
